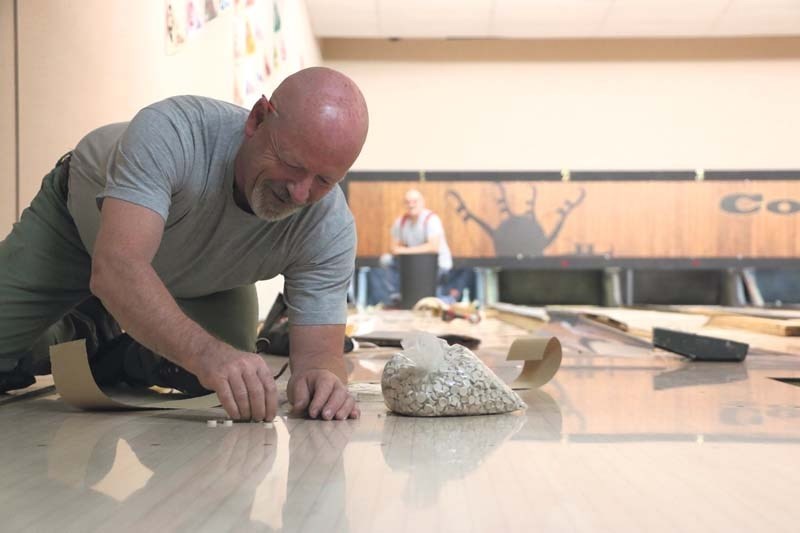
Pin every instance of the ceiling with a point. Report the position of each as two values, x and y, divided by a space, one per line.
533 19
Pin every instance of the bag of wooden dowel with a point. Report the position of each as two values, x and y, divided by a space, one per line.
430 378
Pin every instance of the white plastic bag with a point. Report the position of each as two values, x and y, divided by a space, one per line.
430 378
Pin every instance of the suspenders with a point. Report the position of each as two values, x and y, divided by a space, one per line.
424 225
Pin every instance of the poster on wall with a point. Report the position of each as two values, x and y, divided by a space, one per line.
174 15
195 19
259 47
262 56
185 20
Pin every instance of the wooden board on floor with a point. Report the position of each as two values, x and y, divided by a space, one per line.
713 310
528 318
639 322
770 326
770 321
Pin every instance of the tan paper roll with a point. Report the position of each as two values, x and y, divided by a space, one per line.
542 358
76 386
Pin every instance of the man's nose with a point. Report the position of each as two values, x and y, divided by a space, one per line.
300 190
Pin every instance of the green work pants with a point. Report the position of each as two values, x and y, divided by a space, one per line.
45 298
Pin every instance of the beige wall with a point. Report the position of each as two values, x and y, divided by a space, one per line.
88 63
299 38
624 104
85 64
8 144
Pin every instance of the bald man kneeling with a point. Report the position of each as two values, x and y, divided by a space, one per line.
159 227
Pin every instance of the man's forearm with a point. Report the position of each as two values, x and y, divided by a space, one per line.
318 347
138 299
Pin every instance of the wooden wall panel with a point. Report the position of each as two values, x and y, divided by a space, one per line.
634 219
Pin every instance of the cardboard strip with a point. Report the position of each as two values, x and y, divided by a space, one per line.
76 386
542 356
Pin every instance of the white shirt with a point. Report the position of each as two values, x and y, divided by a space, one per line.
415 233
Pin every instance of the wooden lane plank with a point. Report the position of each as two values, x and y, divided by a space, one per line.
640 323
637 322
782 322
714 310
524 322
770 326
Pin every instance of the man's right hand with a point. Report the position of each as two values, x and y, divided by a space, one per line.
122 258
243 382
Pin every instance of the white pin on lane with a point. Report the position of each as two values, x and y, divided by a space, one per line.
211 423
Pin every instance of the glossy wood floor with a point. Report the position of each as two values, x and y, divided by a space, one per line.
623 439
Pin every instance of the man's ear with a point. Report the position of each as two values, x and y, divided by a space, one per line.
255 117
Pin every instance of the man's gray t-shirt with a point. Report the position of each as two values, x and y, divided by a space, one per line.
176 158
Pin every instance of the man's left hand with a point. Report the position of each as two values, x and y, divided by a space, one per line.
320 394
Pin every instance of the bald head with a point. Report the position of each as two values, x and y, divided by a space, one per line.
301 142
325 108
415 203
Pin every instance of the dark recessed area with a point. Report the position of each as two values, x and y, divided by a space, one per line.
550 287
677 287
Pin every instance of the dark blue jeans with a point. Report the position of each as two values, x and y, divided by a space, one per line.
383 284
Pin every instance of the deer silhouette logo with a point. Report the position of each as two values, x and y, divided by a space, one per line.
518 234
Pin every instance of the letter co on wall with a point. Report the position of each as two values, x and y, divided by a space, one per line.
747 204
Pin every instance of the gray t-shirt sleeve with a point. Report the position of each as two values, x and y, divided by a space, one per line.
316 289
148 163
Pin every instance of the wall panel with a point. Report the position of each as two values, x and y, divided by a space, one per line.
618 219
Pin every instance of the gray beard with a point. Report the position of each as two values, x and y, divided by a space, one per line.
267 207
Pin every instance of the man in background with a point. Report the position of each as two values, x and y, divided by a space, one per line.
418 231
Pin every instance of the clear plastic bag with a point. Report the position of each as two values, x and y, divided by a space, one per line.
430 378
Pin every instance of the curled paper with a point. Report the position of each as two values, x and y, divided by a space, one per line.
76 385
542 358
